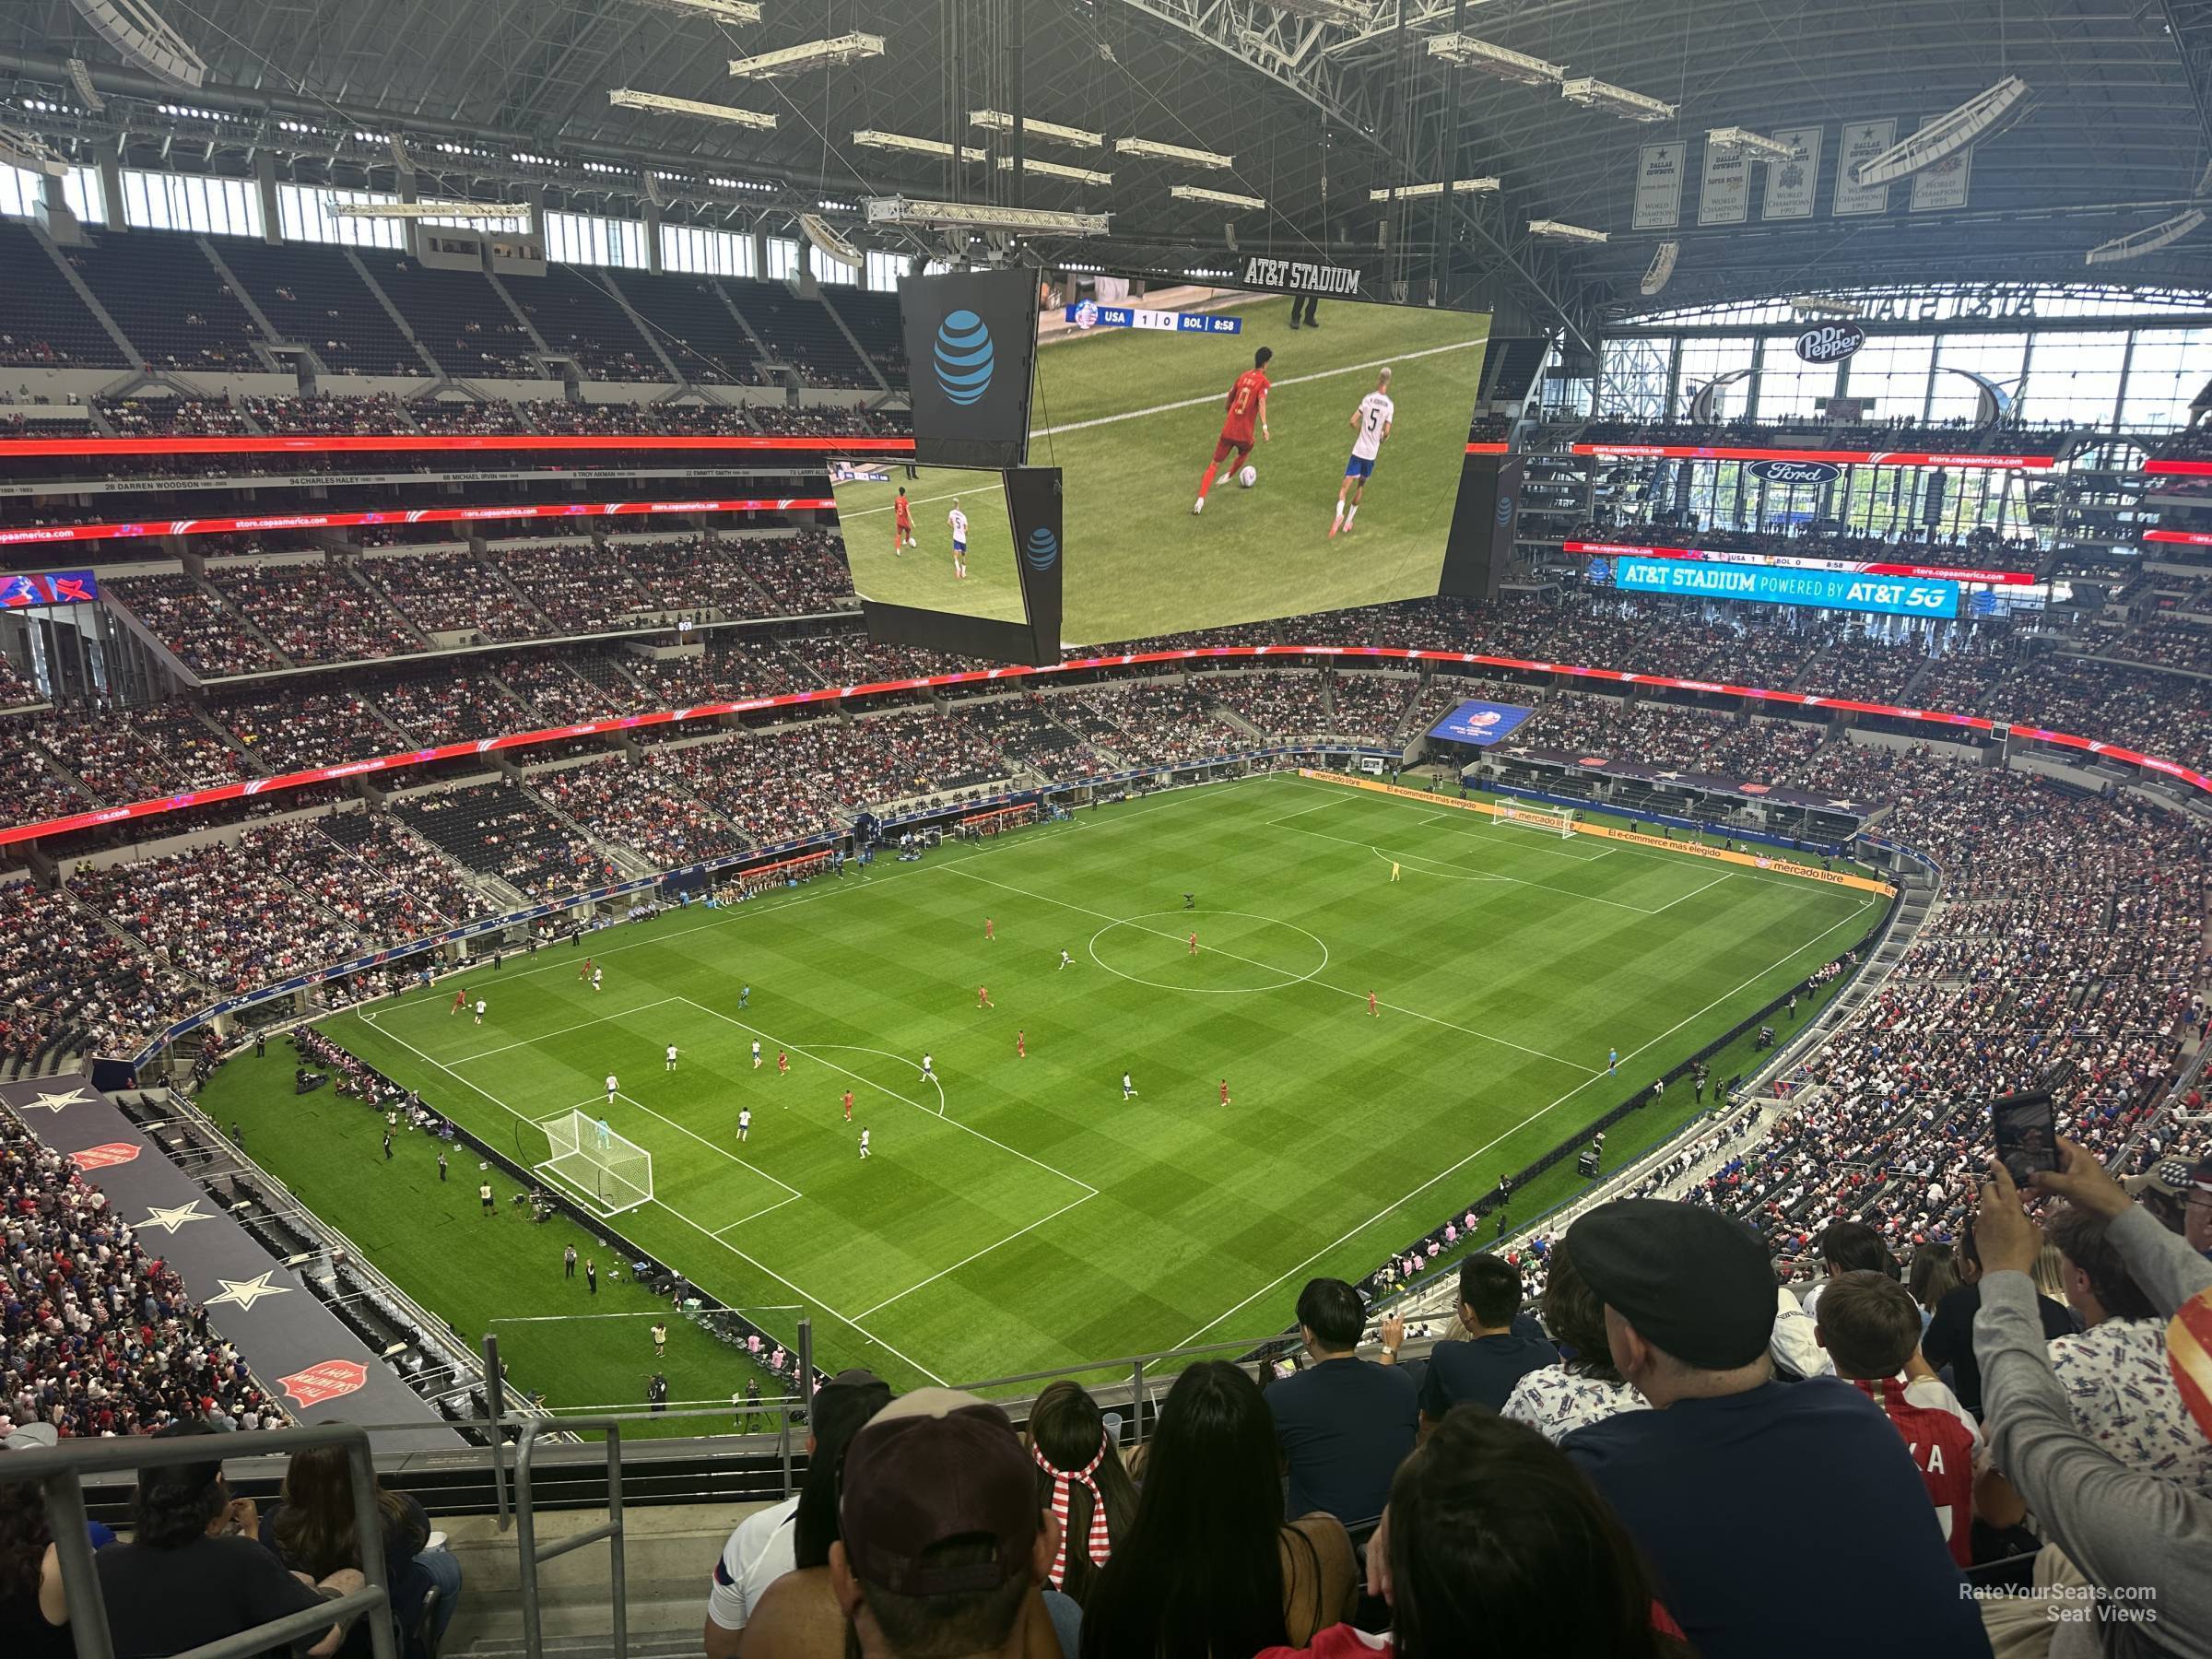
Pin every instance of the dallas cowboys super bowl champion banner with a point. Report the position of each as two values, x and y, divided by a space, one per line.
970 341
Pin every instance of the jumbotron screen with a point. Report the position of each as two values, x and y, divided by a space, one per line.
1139 389
934 538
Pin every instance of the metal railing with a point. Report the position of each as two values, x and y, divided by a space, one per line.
60 1471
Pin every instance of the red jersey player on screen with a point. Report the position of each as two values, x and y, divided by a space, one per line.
1247 403
902 524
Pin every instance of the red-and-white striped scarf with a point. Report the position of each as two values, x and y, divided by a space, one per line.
1098 1544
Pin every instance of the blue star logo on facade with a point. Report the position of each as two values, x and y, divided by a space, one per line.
963 357
1041 548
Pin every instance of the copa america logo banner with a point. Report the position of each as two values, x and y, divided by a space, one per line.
1830 343
1793 473
1479 722
971 337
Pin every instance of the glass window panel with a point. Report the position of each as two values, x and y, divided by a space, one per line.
1789 386
2074 377
782 259
2169 368
1894 373
2001 357
81 191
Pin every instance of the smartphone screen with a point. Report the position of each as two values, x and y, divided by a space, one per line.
2026 1132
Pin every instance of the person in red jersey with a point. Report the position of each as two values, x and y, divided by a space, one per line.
460 1002
990 928
1246 407
1225 1091
983 997
1870 1327
902 525
584 972
848 1105
1021 1045
782 1063
1370 1005
1193 943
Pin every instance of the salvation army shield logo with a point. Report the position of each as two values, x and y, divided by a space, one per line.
107 1157
327 1380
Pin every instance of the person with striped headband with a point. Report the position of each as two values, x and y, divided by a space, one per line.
1081 1481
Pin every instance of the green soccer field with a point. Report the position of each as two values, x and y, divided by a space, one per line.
1018 1213
1131 417
922 576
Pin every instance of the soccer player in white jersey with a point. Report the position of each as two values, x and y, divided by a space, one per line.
1066 961
610 1088
1370 424
755 1053
959 521
672 1056
745 1123
864 1143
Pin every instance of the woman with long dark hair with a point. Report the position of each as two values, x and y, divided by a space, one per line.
1493 1542
34 1614
1584 1387
311 1530
1081 1479
1210 1567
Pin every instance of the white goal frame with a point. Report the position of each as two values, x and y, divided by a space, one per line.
609 1179
1551 820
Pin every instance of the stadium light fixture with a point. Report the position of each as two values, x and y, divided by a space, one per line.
137 30
32 153
1056 170
1730 142
489 213
979 216
718 11
870 139
815 54
1559 231
625 97
1662 269
1412 192
998 121
1595 94
1223 198
1974 119
80 76
1172 152
2149 239
1502 62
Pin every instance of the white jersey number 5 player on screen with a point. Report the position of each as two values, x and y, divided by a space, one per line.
959 521
1371 424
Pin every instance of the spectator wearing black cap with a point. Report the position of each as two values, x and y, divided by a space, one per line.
1948 1342
1500 1349
1702 1479
764 1546
944 1543
1344 1423
193 1572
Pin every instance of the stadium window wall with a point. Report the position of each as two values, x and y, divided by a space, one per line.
21 191
2166 369
586 239
1704 360
2074 377
690 250
834 272
153 201
2000 358
1893 371
1790 388
303 214
884 270
1633 378
782 259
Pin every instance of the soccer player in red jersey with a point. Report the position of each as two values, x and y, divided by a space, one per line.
902 525
1193 943
1247 404
460 1002
1225 1091
782 1063
584 972
1021 1045
848 1105
990 928
1370 1005
983 997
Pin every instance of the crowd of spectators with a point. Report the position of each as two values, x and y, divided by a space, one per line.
362 867
453 592
643 805
130 754
192 620
805 574
1958 436
316 612
66 981
163 417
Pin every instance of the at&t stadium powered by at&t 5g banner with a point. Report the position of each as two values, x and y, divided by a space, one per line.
1828 590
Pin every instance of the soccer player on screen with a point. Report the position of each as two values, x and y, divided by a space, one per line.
902 525
1370 424
1247 404
959 521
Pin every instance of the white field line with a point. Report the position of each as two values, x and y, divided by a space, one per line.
721 1152
1232 956
560 1031
854 1048
1723 876
799 1291
1458 822
1540 1113
1293 379
756 1216
986 1250
894 1094
1487 875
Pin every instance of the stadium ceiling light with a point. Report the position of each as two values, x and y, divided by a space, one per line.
1459 186
720 11
1662 269
977 215
1815 305
489 213
1505 64
998 121
815 54
1172 152
1559 231
625 98
1226 199
2149 239
1056 170
87 94
1729 142
32 153
136 30
870 139
1976 118
828 241
1595 94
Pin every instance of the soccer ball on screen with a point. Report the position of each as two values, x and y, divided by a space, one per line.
1249 476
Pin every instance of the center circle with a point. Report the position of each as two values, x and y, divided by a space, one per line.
1242 960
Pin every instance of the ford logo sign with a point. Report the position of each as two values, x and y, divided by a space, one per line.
1041 548
1791 474
1830 343
963 357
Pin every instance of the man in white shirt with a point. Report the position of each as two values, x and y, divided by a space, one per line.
959 521
1370 424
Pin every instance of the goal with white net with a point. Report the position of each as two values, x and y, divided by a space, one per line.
594 1164
1550 820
